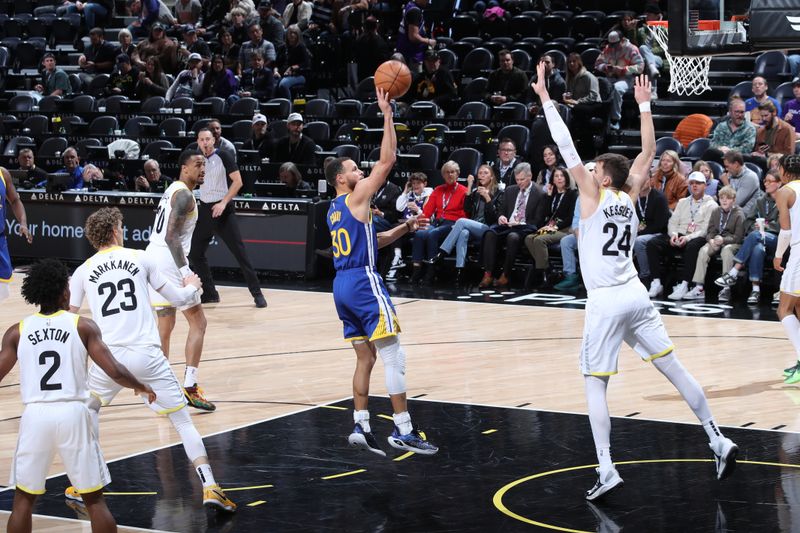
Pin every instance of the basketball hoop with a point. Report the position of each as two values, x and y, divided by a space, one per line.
688 74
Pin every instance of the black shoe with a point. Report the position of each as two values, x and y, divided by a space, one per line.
416 274
260 301
435 259
209 299
460 278
430 275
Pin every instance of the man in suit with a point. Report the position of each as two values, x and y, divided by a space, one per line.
521 211
507 160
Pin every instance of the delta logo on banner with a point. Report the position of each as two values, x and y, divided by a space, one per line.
794 21
774 24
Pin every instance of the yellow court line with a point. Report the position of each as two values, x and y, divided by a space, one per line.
248 488
404 456
334 407
488 432
387 417
343 474
259 502
130 493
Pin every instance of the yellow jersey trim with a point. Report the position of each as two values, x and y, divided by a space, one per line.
57 313
29 491
87 491
601 374
109 249
171 410
661 353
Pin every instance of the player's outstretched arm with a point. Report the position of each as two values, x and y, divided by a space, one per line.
367 187
15 203
640 169
587 186
8 351
101 355
385 238
182 204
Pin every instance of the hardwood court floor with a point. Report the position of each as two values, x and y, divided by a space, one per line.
263 363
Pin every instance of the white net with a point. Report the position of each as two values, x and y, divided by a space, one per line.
688 74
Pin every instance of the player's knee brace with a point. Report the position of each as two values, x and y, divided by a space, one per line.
394 362
192 441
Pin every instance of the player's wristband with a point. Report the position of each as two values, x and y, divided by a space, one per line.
185 271
644 107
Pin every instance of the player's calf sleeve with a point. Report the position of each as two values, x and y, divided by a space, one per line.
394 362
599 418
192 441
690 389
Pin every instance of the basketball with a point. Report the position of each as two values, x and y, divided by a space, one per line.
393 77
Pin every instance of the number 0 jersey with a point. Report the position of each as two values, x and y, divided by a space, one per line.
159 232
52 359
354 243
115 284
605 241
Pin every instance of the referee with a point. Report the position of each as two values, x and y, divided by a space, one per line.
216 216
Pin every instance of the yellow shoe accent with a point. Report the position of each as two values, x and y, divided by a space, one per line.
73 494
194 395
214 496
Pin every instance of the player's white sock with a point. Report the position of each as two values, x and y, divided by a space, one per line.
685 383
403 422
734 272
599 419
206 475
190 377
362 417
792 327
713 432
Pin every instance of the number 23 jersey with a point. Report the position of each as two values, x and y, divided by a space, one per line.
605 241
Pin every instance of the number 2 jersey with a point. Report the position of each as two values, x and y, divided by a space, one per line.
159 233
355 244
605 241
52 359
114 282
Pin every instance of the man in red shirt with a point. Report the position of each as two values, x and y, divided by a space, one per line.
444 207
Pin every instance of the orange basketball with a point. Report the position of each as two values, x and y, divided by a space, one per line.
393 77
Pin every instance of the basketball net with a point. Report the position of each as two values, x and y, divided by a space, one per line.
688 74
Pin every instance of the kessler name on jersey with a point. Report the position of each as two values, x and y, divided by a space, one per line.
48 334
617 210
110 265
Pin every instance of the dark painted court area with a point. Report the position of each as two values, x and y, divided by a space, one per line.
498 470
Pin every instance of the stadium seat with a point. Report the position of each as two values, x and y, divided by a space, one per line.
348 150
318 107
103 125
153 104
36 126
668 143
153 149
84 103
318 131
476 63
697 148
468 159
52 147
474 111
430 132
242 130
429 155
172 126
520 135
244 106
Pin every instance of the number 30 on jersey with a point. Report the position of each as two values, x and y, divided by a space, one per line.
341 242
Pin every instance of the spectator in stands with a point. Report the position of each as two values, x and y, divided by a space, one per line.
152 81
550 157
621 62
149 13
152 180
733 133
124 79
444 207
289 175
192 44
370 50
219 81
270 22
126 45
507 160
409 204
384 207
508 83
159 45
188 82
521 213
556 86
221 143
481 207
297 12
324 17
95 12
55 81
433 83
295 147
258 81
187 11
296 64
97 58
238 25
760 88
72 166
791 108
668 178
581 86
26 162
212 14
686 229
742 179
412 37
91 173
248 8
260 138
759 244
712 183
653 214
569 247
559 206
654 56
257 43
774 137
725 234
229 50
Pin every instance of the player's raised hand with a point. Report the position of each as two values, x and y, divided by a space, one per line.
641 89
538 86
383 101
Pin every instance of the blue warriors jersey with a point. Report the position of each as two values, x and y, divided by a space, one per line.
5 258
354 243
361 299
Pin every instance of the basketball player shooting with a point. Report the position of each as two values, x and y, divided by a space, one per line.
618 308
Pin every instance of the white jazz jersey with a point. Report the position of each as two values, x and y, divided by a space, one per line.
52 359
605 242
115 283
790 279
159 232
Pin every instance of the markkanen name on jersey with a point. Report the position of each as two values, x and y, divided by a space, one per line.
110 265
